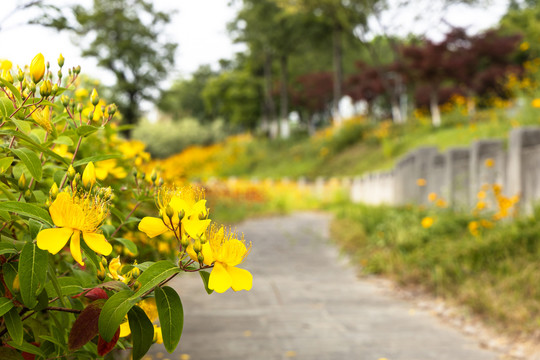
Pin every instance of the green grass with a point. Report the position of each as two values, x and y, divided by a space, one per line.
495 275
354 149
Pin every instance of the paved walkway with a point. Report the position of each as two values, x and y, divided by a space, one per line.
307 304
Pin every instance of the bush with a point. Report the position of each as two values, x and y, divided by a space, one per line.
168 138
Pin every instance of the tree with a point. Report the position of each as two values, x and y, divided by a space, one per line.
126 38
341 18
184 98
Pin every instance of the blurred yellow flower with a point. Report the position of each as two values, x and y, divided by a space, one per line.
427 222
536 103
421 182
432 196
106 167
489 163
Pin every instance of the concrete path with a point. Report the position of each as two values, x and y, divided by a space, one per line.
307 304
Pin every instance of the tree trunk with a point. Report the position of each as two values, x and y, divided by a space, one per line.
130 113
338 72
268 100
434 107
284 129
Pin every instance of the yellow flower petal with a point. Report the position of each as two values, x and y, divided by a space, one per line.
53 240
220 279
152 226
195 227
198 208
241 279
75 247
207 253
98 243
192 254
124 329
101 174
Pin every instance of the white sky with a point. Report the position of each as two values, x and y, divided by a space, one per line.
199 27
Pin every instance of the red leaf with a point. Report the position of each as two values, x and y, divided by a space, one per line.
96 294
104 347
85 327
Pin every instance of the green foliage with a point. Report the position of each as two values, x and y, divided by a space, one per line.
447 260
171 316
168 138
141 331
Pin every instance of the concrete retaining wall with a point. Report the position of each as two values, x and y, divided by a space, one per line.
458 174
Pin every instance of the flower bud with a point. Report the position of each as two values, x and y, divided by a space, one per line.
16 284
184 242
89 175
8 77
22 182
61 60
91 115
28 195
20 74
32 87
77 70
53 192
94 97
79 108
46 88
181 214
54 90
200 257
101 272
59 73
197 247
111 109
169 211
65 100
71 172
37 68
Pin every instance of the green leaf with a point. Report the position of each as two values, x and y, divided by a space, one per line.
53 340
95 159
155 274
11 354
31 161
130 245
7 249
113 313
68 286
14 325
205 276
31 274
6 107
5 305
22 125
142 332
13 89
26 347
33 144
5 163
35 227
85 130
24 209
171 316
64 140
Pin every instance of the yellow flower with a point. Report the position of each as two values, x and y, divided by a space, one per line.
5 65
187 201
225 251
421 182
489 163
37 67
441 203
536 103
74 214
481 194
62 150
473 228
89 175
427 222
42 118
432 196
114 266
81 93
524 46
158 336
106 167
481 205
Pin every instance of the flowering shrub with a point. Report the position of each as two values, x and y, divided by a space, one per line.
81 274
